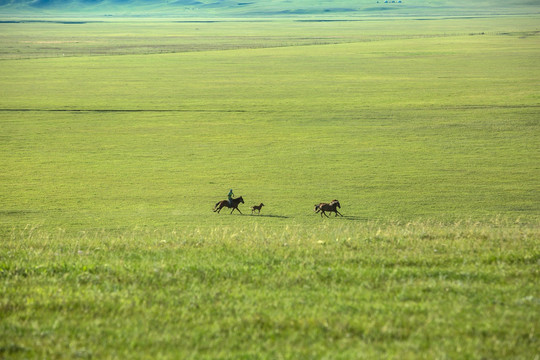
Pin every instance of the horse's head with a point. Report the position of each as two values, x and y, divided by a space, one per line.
241 199
337 203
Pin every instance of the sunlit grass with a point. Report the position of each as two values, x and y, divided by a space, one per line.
110 167
413 290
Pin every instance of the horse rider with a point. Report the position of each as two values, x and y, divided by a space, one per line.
230 197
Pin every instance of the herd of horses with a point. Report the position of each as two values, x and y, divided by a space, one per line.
321 208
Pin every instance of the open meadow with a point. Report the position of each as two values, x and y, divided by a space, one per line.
119 136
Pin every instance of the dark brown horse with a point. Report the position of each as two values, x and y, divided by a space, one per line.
225 203
330 207
256 207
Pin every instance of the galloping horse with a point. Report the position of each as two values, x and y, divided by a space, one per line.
332 207
225 203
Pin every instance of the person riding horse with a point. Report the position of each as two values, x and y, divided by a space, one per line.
230 197
229 203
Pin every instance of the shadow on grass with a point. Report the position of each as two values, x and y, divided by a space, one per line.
348 217
355 218
270 216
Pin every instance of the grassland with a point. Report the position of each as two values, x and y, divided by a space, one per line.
368 291
426 131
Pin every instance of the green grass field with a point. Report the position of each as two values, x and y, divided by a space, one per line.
118 137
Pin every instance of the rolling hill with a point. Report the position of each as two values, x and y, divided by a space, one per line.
260 8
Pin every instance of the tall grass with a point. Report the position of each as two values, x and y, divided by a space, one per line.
394 290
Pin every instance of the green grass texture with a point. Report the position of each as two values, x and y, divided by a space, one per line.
439 127
119 137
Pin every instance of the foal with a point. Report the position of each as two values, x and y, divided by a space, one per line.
256 207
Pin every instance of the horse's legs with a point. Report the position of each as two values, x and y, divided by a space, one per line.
322 212
236 208
337 212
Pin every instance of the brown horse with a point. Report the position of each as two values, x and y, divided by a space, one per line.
225 203
331 207
256 207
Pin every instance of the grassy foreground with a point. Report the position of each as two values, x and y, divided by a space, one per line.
408 291
110 166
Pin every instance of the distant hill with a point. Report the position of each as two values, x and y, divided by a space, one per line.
264 8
